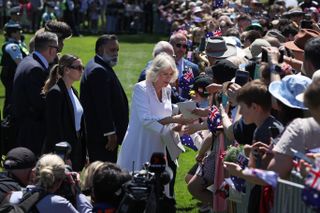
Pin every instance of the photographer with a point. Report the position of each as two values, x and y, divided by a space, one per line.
18 165
49 175
107 183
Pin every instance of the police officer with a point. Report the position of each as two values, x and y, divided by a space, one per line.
13 51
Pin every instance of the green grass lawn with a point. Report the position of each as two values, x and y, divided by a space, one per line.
135 51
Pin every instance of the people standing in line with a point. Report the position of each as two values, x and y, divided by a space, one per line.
27 101
64 120
104 101
13 51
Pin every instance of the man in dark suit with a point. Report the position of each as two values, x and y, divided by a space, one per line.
104 101
28 103
187 70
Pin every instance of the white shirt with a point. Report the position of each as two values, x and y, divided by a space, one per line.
77 109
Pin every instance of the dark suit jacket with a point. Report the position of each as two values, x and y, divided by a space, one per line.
60 124
28 103
105 108
194 67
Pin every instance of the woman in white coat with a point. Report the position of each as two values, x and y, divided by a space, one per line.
150 110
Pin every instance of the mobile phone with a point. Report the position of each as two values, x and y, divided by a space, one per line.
302 156
264 56
273 131
282 52
306 24
202 44
242 77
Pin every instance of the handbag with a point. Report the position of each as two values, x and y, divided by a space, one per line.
171 139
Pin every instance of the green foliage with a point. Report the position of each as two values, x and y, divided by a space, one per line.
135 52
232 153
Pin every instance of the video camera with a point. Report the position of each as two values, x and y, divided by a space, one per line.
145 191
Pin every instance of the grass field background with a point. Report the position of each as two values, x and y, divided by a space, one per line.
135 52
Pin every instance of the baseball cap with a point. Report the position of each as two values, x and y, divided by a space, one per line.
20 158
200 83
15 10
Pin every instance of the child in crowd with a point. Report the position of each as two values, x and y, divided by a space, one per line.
255 107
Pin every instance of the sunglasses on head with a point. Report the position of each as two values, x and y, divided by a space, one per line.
79 67
181 45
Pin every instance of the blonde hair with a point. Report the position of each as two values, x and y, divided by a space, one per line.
88 174
50 169
161 62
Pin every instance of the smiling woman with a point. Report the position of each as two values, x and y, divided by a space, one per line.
150 110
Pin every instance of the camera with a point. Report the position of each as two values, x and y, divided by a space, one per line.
145 191
63 150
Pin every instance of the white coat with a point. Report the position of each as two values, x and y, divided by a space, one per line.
143 134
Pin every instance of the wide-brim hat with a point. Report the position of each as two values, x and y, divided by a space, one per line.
301 39
255 49
217 47
277 34
288 88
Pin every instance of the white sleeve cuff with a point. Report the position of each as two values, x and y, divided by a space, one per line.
109 133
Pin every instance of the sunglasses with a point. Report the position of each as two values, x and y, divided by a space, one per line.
182 45
56 47
79 68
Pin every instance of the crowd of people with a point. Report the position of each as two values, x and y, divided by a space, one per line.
232 76
84 16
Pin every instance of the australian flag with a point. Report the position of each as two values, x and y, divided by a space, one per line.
187 141
214 119
217 3
185 82
311 197
217 33
313 178
270 177
242 160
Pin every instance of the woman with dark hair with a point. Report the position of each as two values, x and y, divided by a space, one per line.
63 109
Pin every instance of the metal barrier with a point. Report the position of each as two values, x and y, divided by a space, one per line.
288 199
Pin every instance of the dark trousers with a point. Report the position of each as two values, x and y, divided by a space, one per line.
173 167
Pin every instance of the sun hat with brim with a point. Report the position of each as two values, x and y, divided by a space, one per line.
197 10
296 11
254 26
277 34
255 49
288 88
217 47
301 39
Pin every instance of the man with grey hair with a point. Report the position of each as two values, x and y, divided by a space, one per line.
28 103
161 46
